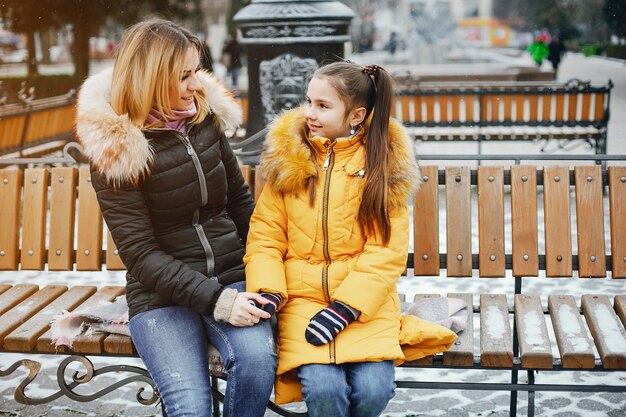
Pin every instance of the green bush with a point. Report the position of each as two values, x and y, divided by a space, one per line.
45 85
615 51
590 50
605 49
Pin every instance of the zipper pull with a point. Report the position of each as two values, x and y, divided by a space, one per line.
329 152
188 146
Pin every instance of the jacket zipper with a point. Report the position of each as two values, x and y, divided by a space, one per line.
204 241
329 163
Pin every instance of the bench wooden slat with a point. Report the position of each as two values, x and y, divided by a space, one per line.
575 345
458 222
246 173
620 307
617 200
89 249
258 183
524 221
417 109
532 333
607 330
34 220
558 234
559 107
24 338
572 107
405 102
494 107
429 103
4 287
107 293
462 351
11 131
491 221
10 196
119 344
519 108
470 105
484 107
508 107
443 108
496 341
15 295
113 260
546 104
599 106
62 209
533 103
426 224
586 108
456 103
28 307
590 222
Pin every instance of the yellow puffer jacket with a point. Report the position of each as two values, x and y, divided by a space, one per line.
313 255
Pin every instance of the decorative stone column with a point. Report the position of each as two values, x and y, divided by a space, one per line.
285 41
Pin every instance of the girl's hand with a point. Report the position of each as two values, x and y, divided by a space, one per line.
244 314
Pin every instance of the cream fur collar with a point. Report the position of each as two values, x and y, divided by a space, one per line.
119 149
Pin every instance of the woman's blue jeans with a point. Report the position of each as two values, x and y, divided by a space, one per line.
172 341
360 389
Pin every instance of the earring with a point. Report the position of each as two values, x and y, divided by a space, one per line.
352 131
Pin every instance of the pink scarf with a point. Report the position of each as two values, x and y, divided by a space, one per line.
178 121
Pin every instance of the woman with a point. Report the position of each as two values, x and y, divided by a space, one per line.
172 195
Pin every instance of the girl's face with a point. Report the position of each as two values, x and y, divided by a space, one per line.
181 96
325 112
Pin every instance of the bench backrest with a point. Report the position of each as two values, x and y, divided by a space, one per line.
36 122
504 104
522 221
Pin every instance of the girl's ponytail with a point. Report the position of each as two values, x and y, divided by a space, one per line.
373 212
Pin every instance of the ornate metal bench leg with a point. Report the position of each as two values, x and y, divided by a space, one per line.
67 389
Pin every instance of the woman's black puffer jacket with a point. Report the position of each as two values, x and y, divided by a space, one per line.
176 205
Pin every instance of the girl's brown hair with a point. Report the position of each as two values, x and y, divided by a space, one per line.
370 87
148 61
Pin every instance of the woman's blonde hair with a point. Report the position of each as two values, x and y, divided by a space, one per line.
148 61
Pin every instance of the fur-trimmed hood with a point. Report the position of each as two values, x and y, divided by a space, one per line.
288 164
115 146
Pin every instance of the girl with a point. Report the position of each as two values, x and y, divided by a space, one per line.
328 241
153 129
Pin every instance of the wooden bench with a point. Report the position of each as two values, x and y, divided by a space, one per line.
37 127
569 113
536 239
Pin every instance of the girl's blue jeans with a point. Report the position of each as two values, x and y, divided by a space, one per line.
172 341
360 389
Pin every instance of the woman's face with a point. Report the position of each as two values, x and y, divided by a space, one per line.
182 95
325 112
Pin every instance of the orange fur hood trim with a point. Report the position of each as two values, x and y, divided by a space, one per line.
288 164
118 148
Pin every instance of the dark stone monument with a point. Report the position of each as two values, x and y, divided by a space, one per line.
285 41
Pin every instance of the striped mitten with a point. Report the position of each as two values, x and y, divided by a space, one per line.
326 325
274 302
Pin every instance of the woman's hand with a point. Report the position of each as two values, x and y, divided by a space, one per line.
244 314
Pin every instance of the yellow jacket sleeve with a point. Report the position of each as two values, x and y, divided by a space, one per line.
267 245
377 269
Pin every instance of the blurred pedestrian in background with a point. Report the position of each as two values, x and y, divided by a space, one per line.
231 57
538 49
556 49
